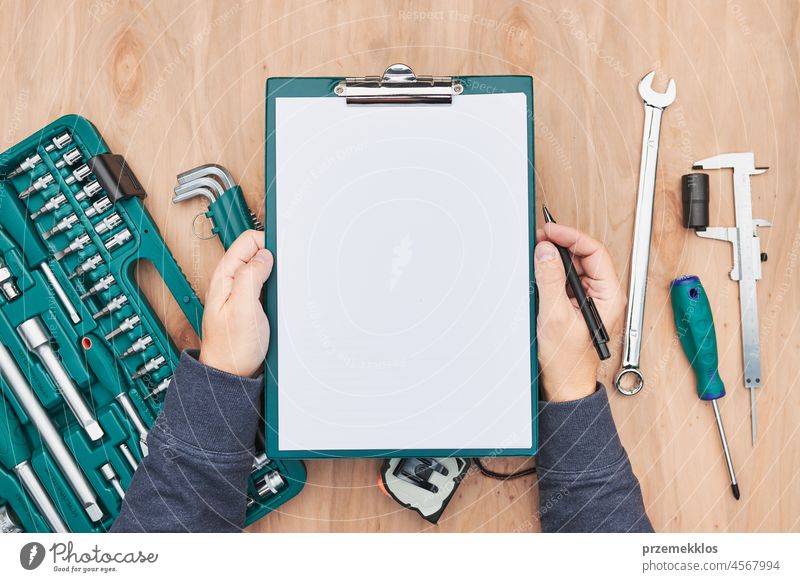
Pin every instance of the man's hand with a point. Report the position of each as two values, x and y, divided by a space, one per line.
567 356
235 327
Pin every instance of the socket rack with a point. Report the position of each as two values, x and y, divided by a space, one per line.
84 361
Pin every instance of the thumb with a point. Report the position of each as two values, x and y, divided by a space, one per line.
551 279
250 278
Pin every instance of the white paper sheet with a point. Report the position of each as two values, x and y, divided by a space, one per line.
403 275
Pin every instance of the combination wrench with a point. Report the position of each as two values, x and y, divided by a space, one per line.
654 105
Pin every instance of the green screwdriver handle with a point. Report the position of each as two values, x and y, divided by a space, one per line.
14 447
695 324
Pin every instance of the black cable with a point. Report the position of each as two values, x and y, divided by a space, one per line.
503 476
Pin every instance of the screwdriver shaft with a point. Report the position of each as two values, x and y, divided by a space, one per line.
726 450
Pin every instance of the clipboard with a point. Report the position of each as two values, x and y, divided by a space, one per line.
397 88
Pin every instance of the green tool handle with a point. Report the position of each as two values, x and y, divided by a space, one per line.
230 215
14 447
695 324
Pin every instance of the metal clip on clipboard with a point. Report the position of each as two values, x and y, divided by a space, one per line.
399 84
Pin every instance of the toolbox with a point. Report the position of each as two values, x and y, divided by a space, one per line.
85 363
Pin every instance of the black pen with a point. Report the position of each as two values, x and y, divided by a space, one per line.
596 328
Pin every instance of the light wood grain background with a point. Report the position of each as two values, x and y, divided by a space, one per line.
175 84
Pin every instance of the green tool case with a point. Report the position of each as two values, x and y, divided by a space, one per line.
72 228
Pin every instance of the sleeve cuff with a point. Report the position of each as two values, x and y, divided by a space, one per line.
210 409
578 436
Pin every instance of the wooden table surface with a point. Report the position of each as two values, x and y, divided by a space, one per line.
172 85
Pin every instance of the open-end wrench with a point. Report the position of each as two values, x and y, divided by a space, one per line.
654 105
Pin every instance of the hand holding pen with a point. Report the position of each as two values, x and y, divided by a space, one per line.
569 353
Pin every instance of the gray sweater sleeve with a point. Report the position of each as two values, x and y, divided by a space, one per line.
200 455
586 483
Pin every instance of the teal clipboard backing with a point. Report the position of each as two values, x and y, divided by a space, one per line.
323 87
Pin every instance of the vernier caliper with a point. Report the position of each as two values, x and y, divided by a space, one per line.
747 258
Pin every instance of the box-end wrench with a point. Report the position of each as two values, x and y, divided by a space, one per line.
654 105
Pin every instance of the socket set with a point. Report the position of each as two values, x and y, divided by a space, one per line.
85 363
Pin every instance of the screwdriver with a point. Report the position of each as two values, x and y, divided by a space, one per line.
15 455
695 324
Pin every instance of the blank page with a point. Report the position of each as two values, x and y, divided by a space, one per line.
403 275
